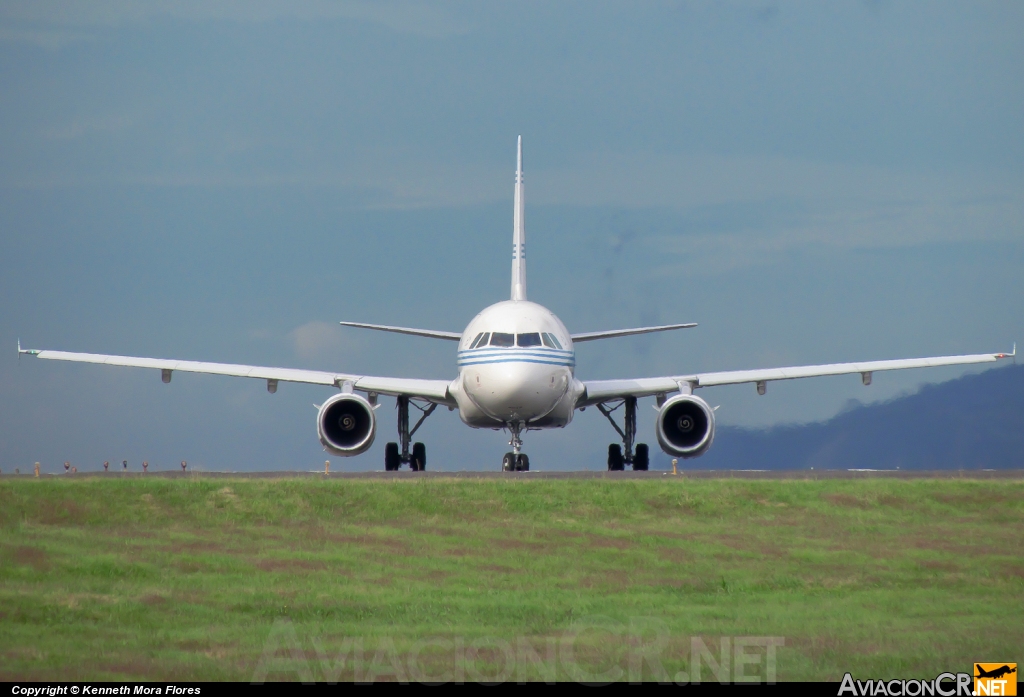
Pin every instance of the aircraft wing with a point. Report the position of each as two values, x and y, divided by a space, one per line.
604 390
432 390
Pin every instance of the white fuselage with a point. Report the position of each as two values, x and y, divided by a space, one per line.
516 366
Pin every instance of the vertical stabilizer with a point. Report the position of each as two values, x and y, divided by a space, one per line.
519 233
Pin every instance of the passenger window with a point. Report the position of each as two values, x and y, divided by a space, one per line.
531 339
554 340
480 340
500 339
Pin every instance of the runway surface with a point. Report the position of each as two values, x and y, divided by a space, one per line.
1009 474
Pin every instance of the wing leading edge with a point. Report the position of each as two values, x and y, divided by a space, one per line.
603 390
432 390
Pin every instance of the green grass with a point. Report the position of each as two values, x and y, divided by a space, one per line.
191 578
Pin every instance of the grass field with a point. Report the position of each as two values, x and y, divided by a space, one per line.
193 578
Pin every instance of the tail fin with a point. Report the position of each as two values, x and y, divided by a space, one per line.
519 233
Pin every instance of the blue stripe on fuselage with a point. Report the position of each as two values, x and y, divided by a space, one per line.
488 355
541 355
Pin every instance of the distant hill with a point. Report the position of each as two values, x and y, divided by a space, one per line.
974 422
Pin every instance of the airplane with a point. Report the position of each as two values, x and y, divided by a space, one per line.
516 372
995 672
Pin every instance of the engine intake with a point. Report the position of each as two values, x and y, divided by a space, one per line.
685 426
346 425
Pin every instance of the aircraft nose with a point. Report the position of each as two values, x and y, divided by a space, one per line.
516 391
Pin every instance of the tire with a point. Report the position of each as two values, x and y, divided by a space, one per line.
392 460
523 463
615 462
641 458
419 457
508 463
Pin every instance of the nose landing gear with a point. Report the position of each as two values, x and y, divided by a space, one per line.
417 459
621 456
515 461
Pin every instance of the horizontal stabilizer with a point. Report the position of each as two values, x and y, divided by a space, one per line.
450 336
591 336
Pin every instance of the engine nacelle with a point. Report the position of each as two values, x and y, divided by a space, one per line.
685 426
346 424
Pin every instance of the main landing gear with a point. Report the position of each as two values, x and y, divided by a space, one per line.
417 459
620 456
515 461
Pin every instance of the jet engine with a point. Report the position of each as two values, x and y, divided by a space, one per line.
346 424
685 426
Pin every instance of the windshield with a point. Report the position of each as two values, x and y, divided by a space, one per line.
532 339
500 339
550 341
480 340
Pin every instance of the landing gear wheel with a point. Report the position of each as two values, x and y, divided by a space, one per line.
641 458
615 462
419 457
523 463
508 462
392 460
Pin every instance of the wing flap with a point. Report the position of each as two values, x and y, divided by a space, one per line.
604 390
433 390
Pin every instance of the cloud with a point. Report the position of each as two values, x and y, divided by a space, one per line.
419 18
321 340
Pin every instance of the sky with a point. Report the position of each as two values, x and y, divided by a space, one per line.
810 182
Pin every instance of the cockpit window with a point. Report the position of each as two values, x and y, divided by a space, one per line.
550 341
480 340
531 339
500 339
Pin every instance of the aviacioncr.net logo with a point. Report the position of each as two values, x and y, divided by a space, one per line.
945 685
